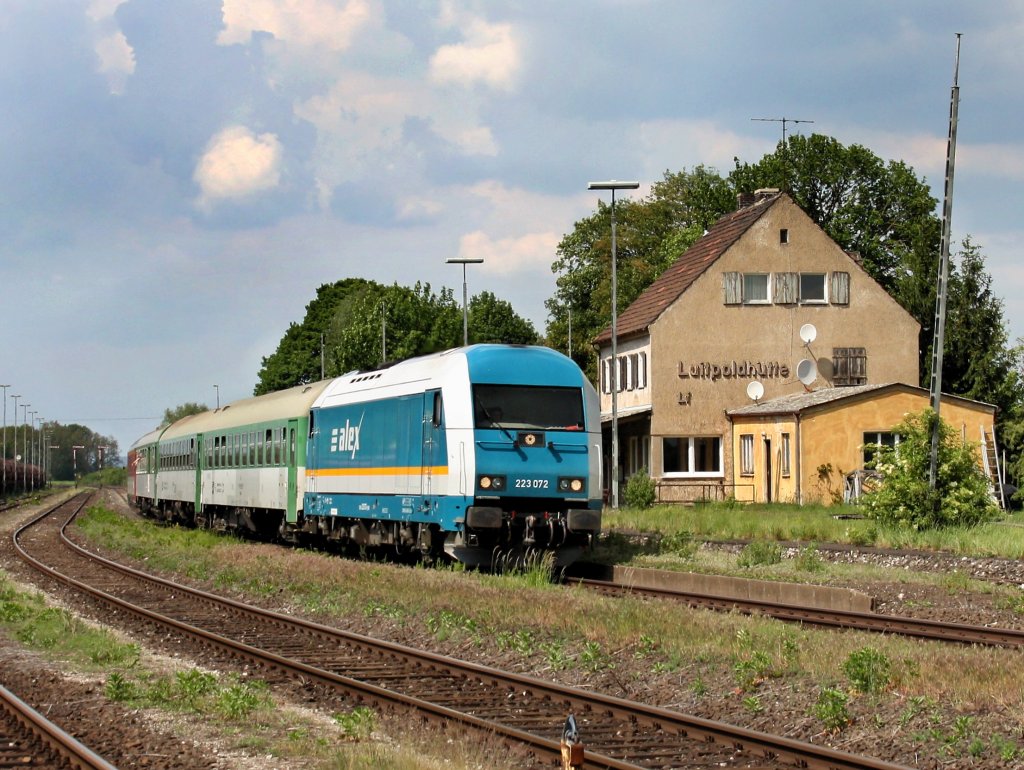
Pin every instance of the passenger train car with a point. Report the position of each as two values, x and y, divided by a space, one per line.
483 452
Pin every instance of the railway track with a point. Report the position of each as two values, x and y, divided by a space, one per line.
861 621
30 740
526 713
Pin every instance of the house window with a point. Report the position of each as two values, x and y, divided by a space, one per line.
747 454
691 456
812 288
784 452
876 439
755 288
641 370
606 375
783 235
849 367
638 459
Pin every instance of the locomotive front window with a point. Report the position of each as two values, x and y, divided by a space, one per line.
525 407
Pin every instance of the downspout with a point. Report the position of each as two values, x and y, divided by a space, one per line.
799 465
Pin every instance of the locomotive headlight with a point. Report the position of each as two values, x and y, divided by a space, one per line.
491 483
567 484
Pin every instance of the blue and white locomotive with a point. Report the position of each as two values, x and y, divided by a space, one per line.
481 453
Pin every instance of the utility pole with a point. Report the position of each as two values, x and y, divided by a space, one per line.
939 340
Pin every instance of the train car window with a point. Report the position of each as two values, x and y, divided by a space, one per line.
252 449
292 458
312 421
278 440
438 411
527 407
268 447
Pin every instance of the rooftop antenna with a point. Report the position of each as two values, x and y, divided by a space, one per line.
940 294
783 121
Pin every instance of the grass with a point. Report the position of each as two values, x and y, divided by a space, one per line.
815 523
242 711
577 635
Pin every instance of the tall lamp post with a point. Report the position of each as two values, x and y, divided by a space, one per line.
217 388
31 448
614 185
24 448
15 399
3 457
465 308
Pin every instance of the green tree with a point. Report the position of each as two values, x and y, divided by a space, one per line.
297 357
651 234
418 321
961 496
173 414
65 460
493 320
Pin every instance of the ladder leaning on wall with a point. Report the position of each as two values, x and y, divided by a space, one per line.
990 459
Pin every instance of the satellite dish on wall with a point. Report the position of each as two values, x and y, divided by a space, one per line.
755 390
806 371
808 333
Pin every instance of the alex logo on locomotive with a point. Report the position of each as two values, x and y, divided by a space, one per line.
346 439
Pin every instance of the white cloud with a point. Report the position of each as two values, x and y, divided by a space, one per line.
316 23
508 256
237 164
490 54
115 55
117 59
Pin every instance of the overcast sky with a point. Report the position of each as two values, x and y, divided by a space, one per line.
178 176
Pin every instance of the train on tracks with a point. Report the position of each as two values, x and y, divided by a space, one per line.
477 454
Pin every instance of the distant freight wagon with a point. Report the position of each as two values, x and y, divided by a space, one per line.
481 453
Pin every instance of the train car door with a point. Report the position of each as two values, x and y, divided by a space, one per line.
197 462
433 418
292 460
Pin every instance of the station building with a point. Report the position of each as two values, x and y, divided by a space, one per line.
764 353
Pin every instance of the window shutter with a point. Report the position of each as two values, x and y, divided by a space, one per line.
732 286
784 290
840 293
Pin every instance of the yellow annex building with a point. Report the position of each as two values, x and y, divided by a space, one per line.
763 308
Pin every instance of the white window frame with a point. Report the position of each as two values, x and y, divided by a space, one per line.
823 299
767 300
746 454
691 455
785 451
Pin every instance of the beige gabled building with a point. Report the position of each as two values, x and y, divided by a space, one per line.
766 304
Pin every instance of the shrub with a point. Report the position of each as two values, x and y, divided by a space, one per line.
868 670
904 499
640 491
831 709
759 552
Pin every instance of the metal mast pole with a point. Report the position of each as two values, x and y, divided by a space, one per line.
3 458
938 341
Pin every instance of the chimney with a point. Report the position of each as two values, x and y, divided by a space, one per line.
765 193
744 200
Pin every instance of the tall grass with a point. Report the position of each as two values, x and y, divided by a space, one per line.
817 523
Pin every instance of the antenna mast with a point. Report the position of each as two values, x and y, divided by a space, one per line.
785 154
940 293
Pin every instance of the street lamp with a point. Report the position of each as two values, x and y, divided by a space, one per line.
3 457
30 449
15 399
465 309
24 448
614 185
217 388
